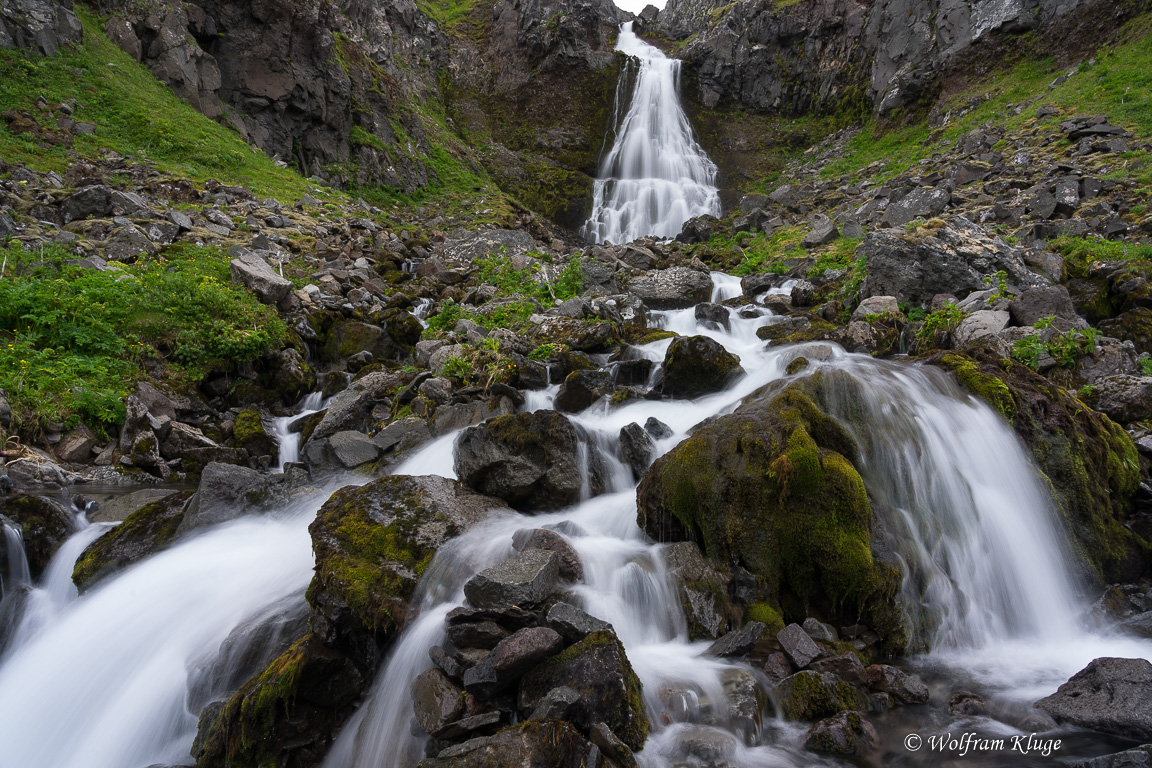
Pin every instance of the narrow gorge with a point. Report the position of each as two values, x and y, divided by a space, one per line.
443 385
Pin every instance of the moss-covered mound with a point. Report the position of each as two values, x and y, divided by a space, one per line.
372 545
1089 460
145 532
772 487
598 669
284 715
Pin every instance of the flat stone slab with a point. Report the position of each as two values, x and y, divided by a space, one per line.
525 579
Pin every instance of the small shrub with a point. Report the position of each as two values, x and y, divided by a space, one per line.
943 320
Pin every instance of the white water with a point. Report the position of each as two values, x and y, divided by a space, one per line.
102 684
17 564
289 442
987 581
655 177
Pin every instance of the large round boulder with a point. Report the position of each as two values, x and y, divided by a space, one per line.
697 365
772 487
531 460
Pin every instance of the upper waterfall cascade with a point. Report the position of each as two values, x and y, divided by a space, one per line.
656 176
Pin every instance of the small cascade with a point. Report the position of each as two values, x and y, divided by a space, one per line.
16 571
655 177
421 310
289 441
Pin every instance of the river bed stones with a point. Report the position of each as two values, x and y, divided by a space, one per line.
523 580
697 365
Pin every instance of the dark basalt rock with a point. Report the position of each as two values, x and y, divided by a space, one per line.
146 531
571 569
44 525
531 460
552 743
598 669
523 580
372 544
846 734
696 366
1110 695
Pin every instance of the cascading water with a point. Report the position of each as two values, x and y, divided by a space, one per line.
103 684
655 177
16 563
288 442
987 580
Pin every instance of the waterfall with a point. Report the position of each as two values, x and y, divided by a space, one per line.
288 441
103 684
16 563
655 177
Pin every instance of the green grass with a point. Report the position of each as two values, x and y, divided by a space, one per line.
135 115
72 340
1119 84
449 14
1079 252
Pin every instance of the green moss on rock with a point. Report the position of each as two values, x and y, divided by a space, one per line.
772 487
284 715
598 669
248 433
812 695
145 532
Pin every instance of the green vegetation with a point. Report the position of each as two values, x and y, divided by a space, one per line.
1066 348
135 115
72 340
535 280
943 320
1080 252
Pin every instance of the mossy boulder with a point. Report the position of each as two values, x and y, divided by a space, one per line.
772 487
372 545
285 715
44 525
531 460
812 695
552 743
248 432
1089 460
290 376
351 336
1135 325
697 365
598 669
145 532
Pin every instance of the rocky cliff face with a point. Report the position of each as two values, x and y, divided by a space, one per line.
328 90
41 25
349 95
833 55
